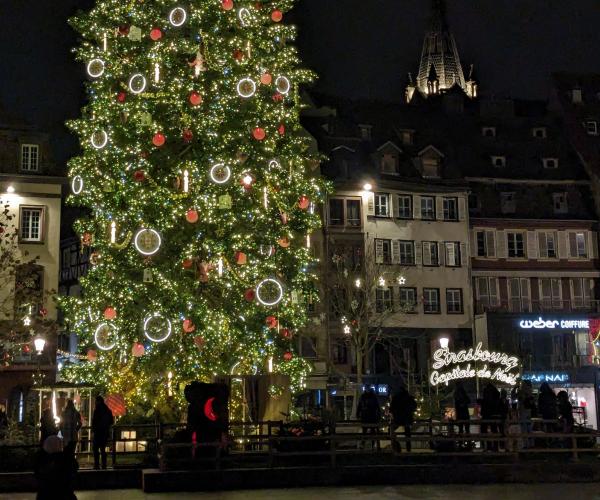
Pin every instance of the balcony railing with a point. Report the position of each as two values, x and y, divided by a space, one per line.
538 306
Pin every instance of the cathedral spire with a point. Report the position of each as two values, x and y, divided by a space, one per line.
438 16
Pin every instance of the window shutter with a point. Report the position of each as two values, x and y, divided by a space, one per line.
417 207
576 291
439 208
464 255
490 244
473 242
572 245
562 245
395 208
426 253
532 245
494 292
525 294
592 245
418 253
370 203
543 245
395 252
441 247
462 211
501 250
378 251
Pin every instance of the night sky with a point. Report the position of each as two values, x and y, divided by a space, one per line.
360 48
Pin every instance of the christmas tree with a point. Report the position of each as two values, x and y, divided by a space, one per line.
196 174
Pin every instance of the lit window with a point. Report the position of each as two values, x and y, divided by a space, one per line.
31 224
30 157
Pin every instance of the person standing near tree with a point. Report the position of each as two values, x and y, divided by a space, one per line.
369 412
47 422
490 410
102 420
403 407
70 423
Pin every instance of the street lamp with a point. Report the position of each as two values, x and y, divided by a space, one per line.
444 342
39 343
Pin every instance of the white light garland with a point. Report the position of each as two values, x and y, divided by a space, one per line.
148 235
186 181
156 73
269 301
95 68
167 328
99 139
282 84
77 184
113 232
246 87
178 16
101 336
137 83
220 173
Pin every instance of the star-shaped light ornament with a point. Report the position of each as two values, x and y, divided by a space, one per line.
26 321
381 281
347 330
401 280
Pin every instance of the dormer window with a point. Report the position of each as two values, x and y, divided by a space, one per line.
591 127
508 203
499 161
406 136
576 96
431 162
488 131
550 162
365 131
561 205
539 132
30 157
389 163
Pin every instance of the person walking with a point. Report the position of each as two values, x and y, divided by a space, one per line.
461 408
55 471
47 423
402 408
490 410
369 412
70 423
565 412
102 419
548 409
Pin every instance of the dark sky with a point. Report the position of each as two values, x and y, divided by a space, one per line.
360 48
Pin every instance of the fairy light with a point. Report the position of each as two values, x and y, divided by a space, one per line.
105 42
220 266
186 181
113 232
156 73
265 197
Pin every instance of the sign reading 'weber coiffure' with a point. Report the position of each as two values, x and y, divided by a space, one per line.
496 366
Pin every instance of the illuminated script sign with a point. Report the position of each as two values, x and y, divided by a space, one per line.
551 324
470 363
540 377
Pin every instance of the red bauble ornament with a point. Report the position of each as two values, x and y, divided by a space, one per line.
156 34
187 263
92 355
26 348
277 97
266 79
188 326
191 216
121 96
281 129
187 135
110 313
159 139
238 55
276 15
271 321
288 356
304 202
227 4
240 258
250 295
124 30
286 333
259 133
86 239
139 175
284 242
43 312
195 99
137 350
199 341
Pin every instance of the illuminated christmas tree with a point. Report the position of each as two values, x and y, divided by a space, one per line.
196 173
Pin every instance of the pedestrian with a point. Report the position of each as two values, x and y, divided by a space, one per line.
47 423
55 471
461 408
402 408
527 410
547 407
102 419
3 422
503 412
369 412
565 412
490 413
70 423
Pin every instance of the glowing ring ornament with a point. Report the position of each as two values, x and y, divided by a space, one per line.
103 334
283 85
220 173
246 88
243 15
99 139
147 241
164 326
77 184
268 300
95 68
137 83
274 164
178 17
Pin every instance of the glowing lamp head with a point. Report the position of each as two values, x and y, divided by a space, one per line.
367 187
10 189
444 342
39 344
247 180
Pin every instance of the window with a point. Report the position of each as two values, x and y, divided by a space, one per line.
488 131
577 245
339 351
408 299
365 132
427 207
31 224
389 163
516 247
576 96
473 204
547 245
30 157
518 294
508 203
454 302
431 300
539 132
499 161
559 203
405 206
450 206
383 251
308 347
407 252
344 212
486 243
353 213
382 205
336 212
550 162
431 167
581 292
406 137
430 253
452 249
383 299
550 293
591 127
487 292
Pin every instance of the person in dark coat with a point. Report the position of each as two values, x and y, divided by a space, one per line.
55 471
547 406
565 412
402 408
461 407
70 423
47 423
526 410
490 410
368 411
102 419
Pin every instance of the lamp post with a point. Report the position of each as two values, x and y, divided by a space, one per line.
444 342
39 342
